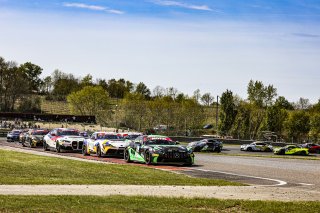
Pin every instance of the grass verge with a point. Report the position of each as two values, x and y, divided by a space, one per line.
21 168
146 204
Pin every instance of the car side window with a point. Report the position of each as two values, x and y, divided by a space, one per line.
93 136
138 139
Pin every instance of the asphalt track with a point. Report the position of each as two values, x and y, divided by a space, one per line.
262 171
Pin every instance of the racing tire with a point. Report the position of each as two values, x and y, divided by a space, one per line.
148 158
45 147
22 143
249 149
84 151
31 146
218 150
99 152
126 156
303 153
58 149
188 163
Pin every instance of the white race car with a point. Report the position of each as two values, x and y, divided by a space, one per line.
63 139
104 144
257 147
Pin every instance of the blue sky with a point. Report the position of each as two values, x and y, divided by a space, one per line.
189 44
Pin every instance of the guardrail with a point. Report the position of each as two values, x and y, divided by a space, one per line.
3 133
225 141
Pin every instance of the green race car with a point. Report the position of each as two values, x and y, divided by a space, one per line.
291 150
154 149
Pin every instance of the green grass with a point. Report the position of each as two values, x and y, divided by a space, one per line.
146 204
21 168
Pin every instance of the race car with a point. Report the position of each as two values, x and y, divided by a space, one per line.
34 138
313 148
291 150
13 135
63 139
154 149
209 145
104 144
130 135
257 147
23 135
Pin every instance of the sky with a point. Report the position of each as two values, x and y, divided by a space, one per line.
211 45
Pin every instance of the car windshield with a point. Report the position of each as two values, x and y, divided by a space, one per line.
110 137
131 137
39 133
16 132
68 132
159 142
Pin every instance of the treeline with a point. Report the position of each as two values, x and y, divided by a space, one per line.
266 115
122 103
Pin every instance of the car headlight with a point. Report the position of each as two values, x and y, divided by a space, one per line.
190 151
107 145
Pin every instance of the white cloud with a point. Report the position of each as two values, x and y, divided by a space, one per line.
93 7
183 5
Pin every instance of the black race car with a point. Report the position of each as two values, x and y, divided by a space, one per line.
154 149
208 145
34 138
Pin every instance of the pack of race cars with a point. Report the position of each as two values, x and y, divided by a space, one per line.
136 147
132 146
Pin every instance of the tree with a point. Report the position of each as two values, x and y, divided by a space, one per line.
143 90
119 88
86 81
32 73
134 105
207 99
283 103
303 104
13 85
64 84
315 127
298 125
158 92
260 95
227 112
90 100
276 117
197 95
172 92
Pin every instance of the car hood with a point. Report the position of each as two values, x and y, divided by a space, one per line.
168 148
37 137
117 143
73 137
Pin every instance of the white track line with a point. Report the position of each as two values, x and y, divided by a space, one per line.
306 184
280 182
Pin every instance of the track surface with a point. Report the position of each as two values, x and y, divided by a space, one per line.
279 172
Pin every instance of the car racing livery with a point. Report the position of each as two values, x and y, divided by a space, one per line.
104 144
154 149
13 135
206 145
34 138
257 147
291 150
63 139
